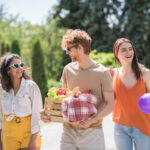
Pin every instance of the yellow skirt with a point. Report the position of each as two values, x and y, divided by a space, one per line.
17 133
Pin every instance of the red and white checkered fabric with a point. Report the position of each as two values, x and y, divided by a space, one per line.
79 108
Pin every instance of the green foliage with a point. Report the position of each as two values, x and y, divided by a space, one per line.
107 59
134 24
2 12
4 48
146 61
56 58
15 47
108 20
38 72
89 15
7 48
105 21
54 83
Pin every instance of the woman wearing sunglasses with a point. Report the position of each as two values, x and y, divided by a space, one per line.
21 103
131 81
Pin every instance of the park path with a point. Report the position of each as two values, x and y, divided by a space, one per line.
51 135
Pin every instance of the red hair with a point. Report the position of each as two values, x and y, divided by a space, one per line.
116 46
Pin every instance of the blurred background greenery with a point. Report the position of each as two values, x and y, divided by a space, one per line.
105 21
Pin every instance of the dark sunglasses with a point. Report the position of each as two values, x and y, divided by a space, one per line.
69 48
21 65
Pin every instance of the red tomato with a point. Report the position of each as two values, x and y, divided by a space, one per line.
61 91
88 92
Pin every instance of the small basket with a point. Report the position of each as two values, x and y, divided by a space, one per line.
53 109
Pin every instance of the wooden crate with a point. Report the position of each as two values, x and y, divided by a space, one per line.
53 109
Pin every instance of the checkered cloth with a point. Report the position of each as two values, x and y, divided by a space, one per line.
79 108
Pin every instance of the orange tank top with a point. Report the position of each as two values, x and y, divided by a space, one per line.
126 111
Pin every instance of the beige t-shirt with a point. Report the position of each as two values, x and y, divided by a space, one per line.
96 78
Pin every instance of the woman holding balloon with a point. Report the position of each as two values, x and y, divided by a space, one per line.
131 81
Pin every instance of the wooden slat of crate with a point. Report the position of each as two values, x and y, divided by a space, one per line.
59 101
54 112
56 106
47 99
48 103
52 106
57 119
57 113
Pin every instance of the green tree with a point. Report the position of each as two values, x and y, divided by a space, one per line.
107 59
56 58
134 24
38 72
15 47
7 48
89 15
2 48
2 12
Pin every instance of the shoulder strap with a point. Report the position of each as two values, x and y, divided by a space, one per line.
111 71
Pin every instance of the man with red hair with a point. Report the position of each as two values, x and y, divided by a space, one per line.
87 75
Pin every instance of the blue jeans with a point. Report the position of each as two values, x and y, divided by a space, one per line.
126 137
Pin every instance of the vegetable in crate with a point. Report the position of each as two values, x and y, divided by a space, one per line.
58 93
52 94
61 91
